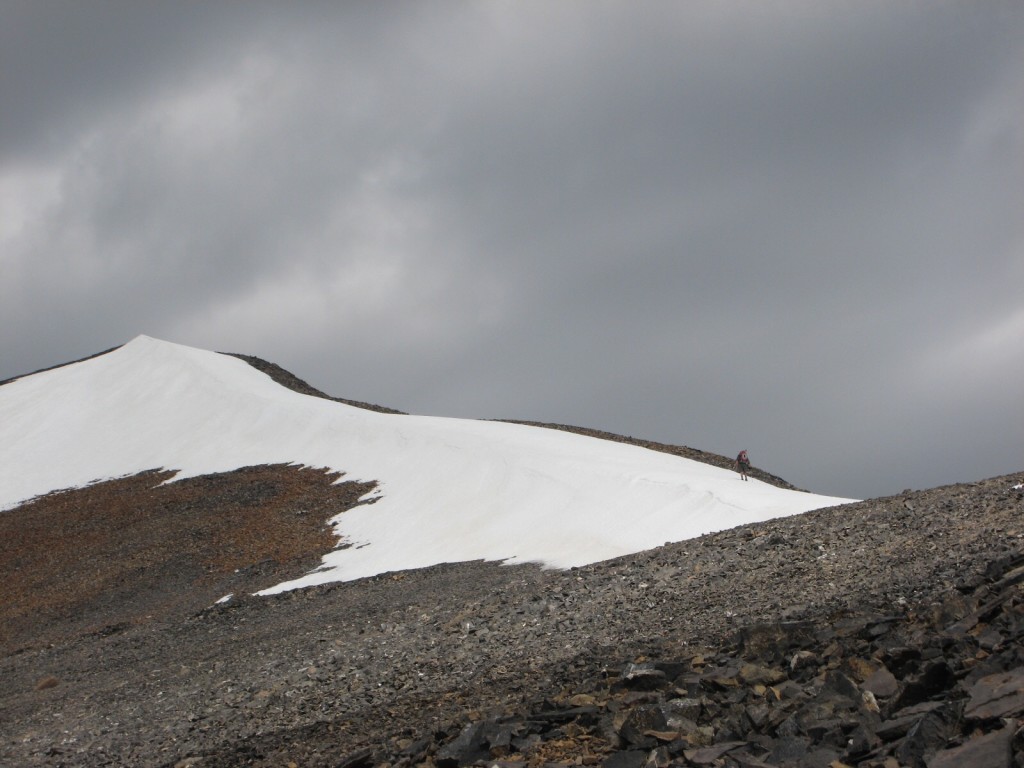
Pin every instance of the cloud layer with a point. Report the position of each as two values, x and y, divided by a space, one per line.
793 230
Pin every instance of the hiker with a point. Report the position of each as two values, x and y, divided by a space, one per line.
742 464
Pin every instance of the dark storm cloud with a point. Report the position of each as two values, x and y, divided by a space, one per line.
66 62
794 230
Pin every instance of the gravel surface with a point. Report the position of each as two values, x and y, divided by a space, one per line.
312 676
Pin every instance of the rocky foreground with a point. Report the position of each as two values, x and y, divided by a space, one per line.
885 633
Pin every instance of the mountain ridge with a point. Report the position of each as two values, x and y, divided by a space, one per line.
183 509
871 634
293 382
289 380
445 488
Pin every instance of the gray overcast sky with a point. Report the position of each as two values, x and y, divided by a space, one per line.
792 227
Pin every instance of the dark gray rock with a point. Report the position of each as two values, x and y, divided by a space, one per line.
881 683
990 750
929 735
627 758
999 695
468 747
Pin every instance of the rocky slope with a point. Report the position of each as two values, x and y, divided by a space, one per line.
773 630
97 559
880 634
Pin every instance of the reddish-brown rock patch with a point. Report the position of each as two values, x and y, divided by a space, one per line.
115 553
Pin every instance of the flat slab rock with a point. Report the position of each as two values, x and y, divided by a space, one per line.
999 695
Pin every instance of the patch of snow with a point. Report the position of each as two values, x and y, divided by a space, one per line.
448 489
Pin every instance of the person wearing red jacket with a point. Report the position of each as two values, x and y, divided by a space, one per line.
742 464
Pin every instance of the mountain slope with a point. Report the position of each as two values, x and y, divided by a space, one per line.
392 669
770 636
446 489
139 550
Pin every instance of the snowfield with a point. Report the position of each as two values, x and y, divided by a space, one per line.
448 489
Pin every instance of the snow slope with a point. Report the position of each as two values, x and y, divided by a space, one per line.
450 489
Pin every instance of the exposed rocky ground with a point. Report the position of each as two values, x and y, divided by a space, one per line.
880 634
872 634
97 559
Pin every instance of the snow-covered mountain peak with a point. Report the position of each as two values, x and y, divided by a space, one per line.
449 489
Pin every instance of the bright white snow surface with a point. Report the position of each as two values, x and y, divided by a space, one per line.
449 489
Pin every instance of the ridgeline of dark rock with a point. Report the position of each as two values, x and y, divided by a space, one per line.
714 459
879 634
290 381
294 383
59 365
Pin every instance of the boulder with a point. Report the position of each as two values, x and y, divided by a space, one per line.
1000 695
